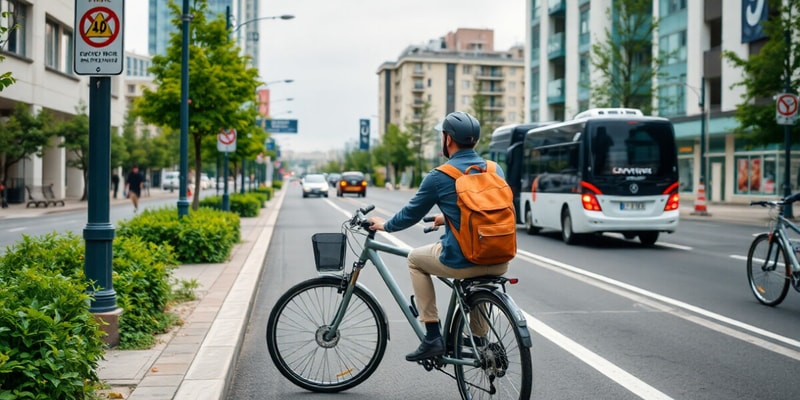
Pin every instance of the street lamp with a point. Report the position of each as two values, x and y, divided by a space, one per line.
279 81
285 16
702 103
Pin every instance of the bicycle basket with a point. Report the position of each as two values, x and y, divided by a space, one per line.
329 251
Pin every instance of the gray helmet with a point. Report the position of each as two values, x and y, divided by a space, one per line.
462 127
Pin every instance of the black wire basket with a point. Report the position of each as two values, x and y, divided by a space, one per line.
329 251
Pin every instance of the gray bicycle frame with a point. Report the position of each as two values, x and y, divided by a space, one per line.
784 223
370 253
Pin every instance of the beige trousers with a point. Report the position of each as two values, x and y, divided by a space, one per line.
424 262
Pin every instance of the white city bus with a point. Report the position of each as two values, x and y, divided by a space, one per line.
607 170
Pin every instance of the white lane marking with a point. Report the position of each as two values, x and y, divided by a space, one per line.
605 367
21 228
667 300
675 246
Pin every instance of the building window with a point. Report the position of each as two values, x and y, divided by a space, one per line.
673 47
429 82
467 69
512 85
512 71
512 116
466 83
671 6
58 47
512 101
16 22
465 100
131 89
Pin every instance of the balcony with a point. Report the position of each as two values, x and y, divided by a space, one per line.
555 46
418 87
489 75
417 73
492 90
495 106
556 7
418 103
555 91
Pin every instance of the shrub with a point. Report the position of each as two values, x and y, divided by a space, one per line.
203 236
244 205
277 184
50 343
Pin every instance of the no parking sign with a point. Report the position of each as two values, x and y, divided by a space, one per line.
786 109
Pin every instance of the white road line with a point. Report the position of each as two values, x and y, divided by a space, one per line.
22 228
675 246
605 367
667 300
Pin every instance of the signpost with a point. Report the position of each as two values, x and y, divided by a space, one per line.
226 143
786 109
786 114
98 53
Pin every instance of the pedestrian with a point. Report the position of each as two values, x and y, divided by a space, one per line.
445 258
133 186
115 183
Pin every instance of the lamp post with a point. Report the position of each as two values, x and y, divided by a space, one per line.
183 203
702 181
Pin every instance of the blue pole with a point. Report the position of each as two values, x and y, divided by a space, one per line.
183 203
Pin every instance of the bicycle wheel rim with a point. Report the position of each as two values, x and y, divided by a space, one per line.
507 364
294 338
767 274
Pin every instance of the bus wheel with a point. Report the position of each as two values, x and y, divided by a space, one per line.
532 230
648 238
567 235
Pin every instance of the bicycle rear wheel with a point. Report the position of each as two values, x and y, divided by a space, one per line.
296 343
506 371
768 270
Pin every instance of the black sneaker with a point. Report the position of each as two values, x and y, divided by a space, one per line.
427 349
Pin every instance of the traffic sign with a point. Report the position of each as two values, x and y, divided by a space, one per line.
786 109
280 125
363 136
99 48
226 140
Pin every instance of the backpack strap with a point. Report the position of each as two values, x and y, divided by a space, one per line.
450 170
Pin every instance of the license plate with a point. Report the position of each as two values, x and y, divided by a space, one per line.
631 205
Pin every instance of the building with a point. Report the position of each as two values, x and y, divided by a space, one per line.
39 54
448 73
560 37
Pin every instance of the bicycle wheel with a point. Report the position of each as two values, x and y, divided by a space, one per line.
768 274
295 336
506 371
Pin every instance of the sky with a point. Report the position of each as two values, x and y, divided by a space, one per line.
333 49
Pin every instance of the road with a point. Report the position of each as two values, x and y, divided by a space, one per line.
610 319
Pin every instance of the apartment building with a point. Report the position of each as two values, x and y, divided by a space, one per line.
448 73
560 35
39 54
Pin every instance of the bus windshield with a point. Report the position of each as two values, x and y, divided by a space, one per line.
644 149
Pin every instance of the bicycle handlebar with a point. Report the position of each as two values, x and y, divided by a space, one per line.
430 228
775 203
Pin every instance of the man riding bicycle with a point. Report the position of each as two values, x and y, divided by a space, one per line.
460 134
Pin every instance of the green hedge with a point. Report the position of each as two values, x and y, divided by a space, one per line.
244 205
202 236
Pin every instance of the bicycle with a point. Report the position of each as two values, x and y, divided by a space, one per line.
772 263
329 333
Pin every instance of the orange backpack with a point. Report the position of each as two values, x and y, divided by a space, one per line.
488 232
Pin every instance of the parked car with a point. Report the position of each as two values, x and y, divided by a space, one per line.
333 179
352 182
205 181
171 180
314 185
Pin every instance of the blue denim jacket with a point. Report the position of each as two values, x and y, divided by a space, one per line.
439 189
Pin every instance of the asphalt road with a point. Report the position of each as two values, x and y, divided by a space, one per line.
610 319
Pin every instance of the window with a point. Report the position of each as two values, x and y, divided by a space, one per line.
466 83
671 6
512 101
466 69
15 21
465 100
512 85
58 47
512 116
131 89
673 47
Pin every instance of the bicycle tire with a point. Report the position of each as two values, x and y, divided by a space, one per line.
768 281
300 353
506 361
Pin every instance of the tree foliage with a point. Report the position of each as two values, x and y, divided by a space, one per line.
23 134
221 83
487 118
624 58
394 151
764 76
422 134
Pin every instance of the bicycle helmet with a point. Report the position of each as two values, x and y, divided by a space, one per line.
462 127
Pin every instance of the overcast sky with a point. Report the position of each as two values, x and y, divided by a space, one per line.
332 50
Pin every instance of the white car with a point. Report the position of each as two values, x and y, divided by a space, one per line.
314 185
171 180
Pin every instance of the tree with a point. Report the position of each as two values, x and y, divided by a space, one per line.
487 118
624 59
75 132
394 151
764 78
21 135
221 82
422 134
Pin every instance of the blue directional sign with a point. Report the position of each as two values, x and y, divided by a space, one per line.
363 140
280 125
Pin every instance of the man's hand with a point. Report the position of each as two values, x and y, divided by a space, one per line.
377 223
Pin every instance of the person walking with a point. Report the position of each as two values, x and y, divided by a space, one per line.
115 183
133 186
445 258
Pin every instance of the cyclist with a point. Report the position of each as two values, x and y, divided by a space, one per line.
460 133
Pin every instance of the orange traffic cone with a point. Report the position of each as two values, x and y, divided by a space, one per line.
700 201
188 192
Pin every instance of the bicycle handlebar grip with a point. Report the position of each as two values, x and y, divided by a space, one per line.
430 229
367 209
792 198
428 219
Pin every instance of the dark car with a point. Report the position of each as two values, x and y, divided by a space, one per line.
333 179
352 182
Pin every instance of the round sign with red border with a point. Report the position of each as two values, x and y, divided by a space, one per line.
786 106
226 140
99 27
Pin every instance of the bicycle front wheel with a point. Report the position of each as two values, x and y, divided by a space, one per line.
768 270
296 336
505 370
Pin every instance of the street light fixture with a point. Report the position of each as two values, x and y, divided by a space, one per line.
284 17
702 103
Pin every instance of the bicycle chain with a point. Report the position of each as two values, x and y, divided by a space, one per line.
430 364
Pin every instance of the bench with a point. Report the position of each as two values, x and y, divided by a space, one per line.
50 196
34 200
